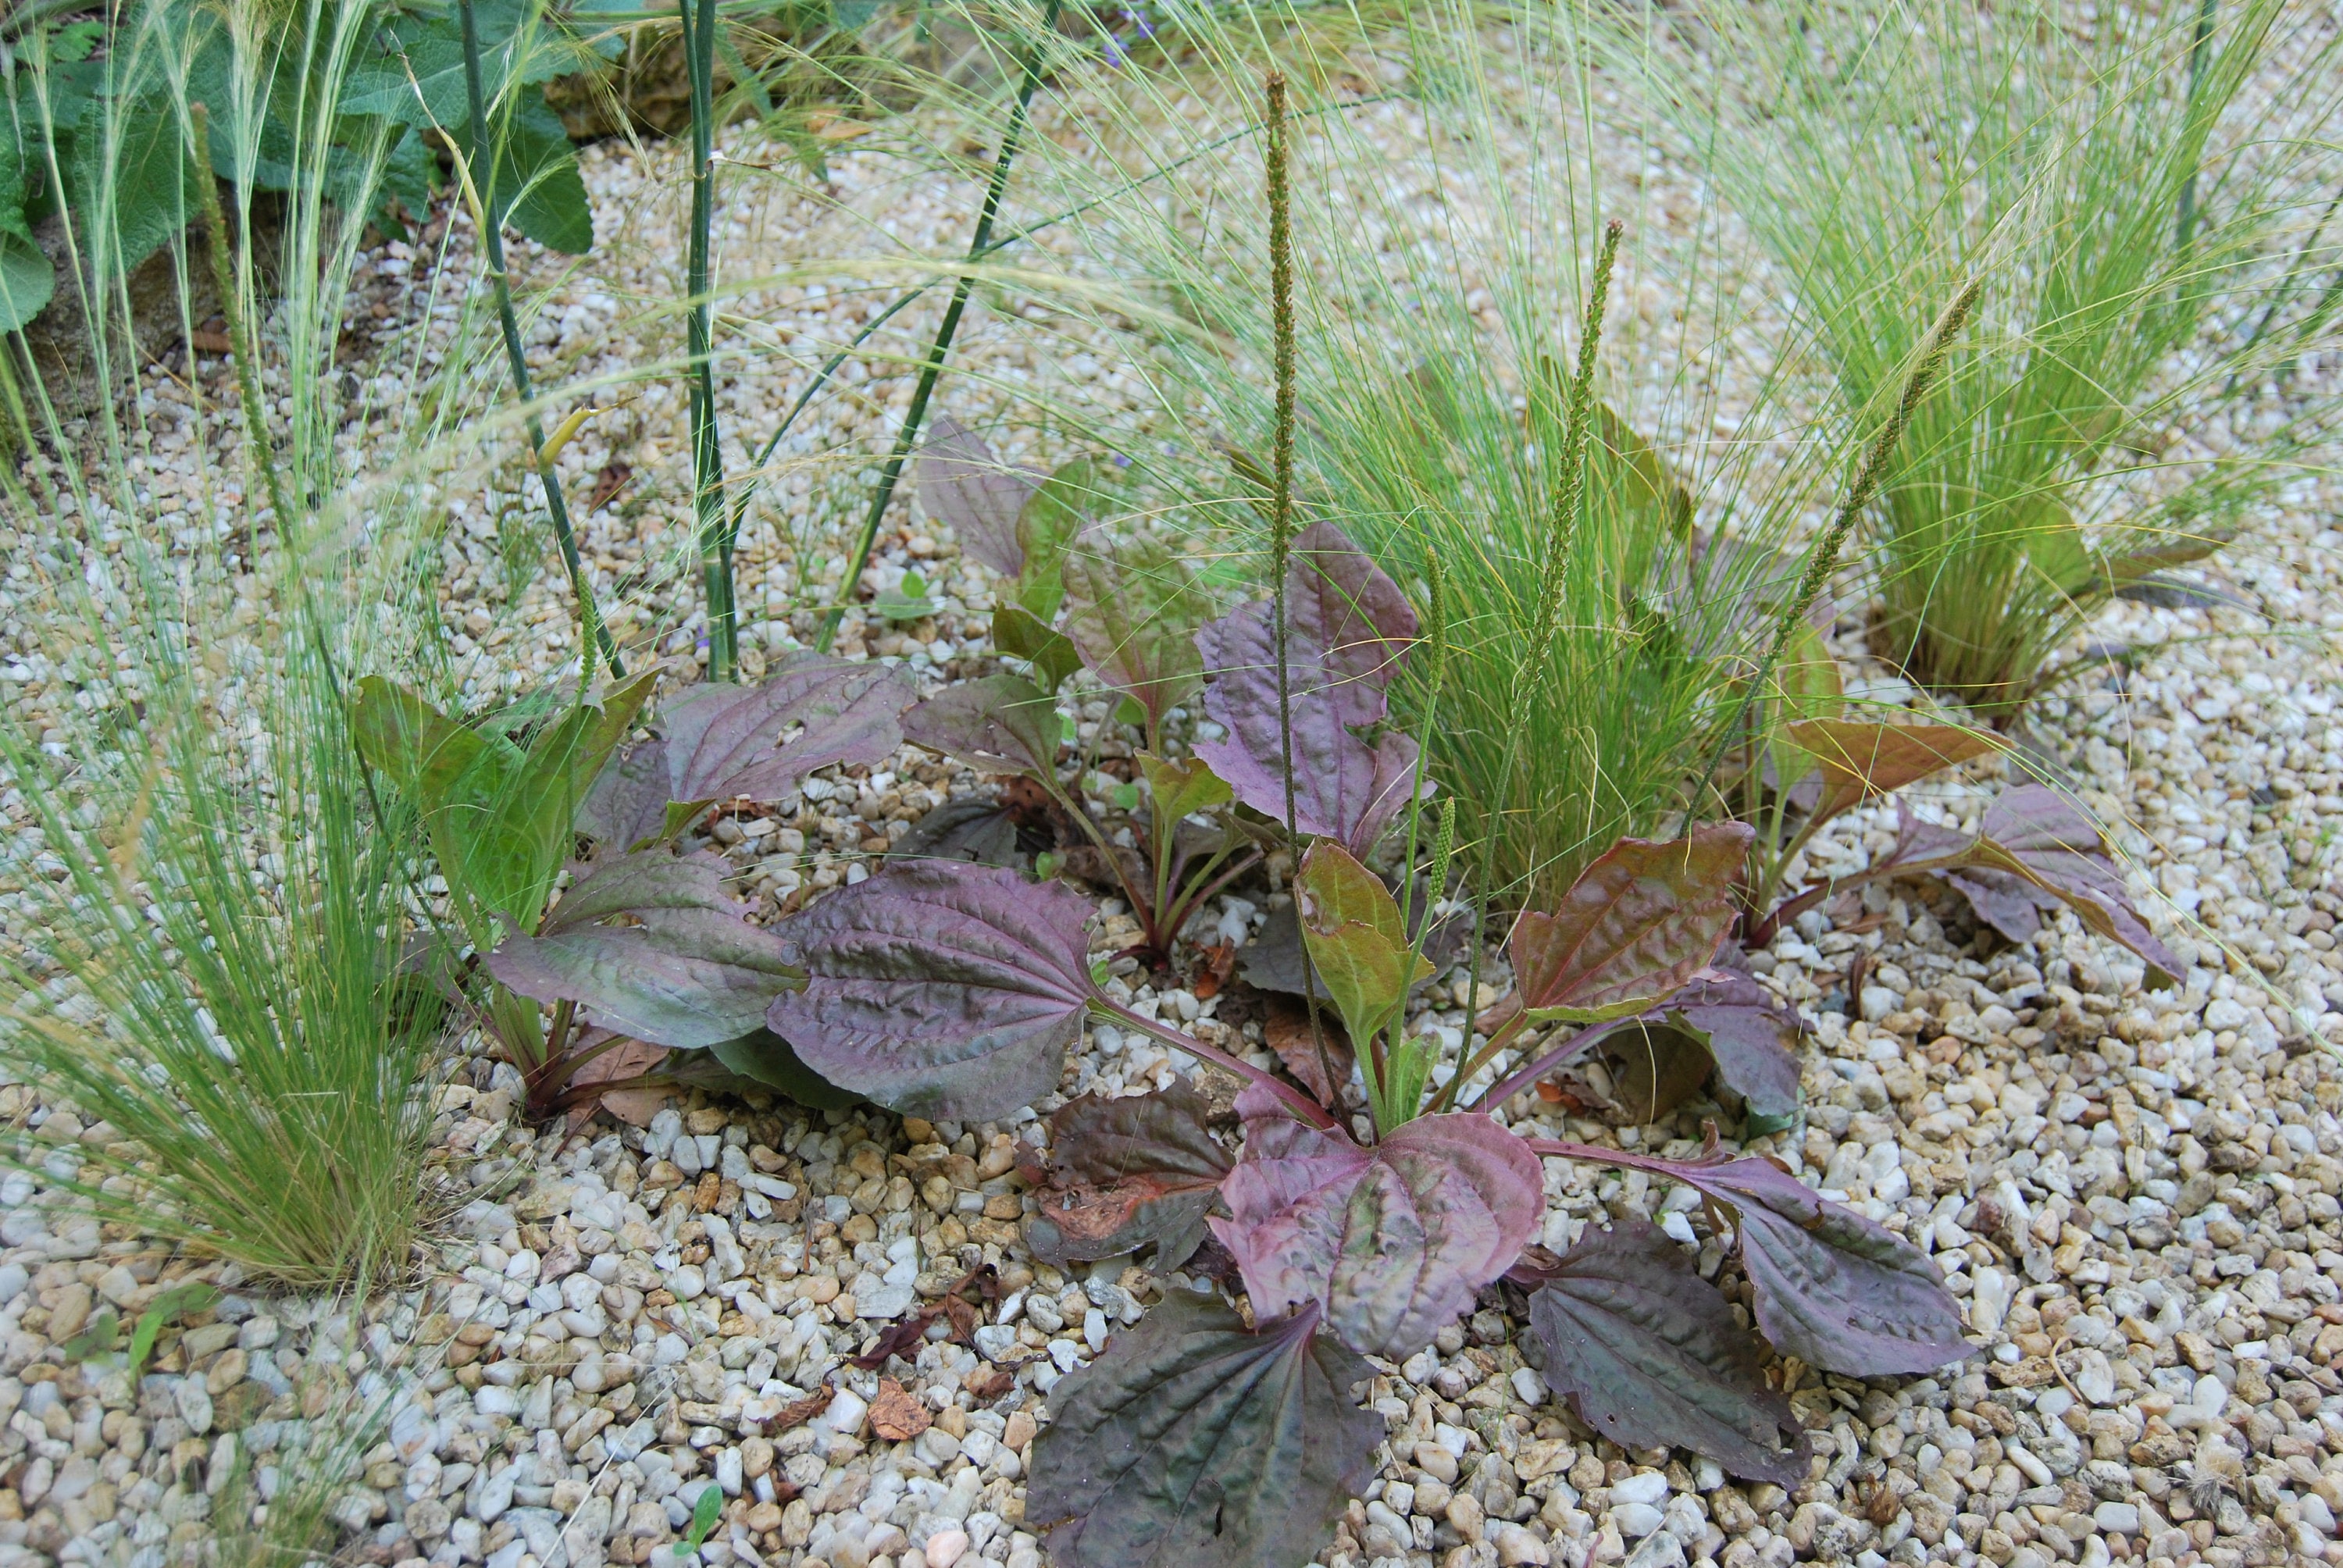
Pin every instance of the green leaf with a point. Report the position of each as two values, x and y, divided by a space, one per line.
1358 943
1017 633
766 1058
1192 1443
1126 797
74 40
538 186
1183 788
176 1302
704 1511
1046 528
133 165
94 1341
27 277
432 49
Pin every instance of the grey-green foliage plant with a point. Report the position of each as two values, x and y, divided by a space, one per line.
2132 188
206 955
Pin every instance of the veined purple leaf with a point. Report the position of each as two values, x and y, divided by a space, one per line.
1343 789
1359 625
1000 724
1650 1355
1633 929
966 828
1133 606
939 989
720 742
2034 836
1748 1034
692 973
963 485
1388 1243
1194 1443
1832 1289
1125 1173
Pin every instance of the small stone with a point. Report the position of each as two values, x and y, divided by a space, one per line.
946 1547
1464 1515
1649 1486
1517 1548
226 1371
2116 1517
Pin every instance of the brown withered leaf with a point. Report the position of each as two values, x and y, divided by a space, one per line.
627 1058
1125 1173
963 1319
606 486
797 1413
1219 959
1286 1030
988 1382
901 1338
896 1415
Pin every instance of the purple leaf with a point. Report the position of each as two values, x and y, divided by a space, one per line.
1650 1355
939 989
2042 839
1357 623
1633 929
692 973
722 742
1833 1288
1343 789
963 485
1390 1243
1000 724
1133 605
1749 1034
1194 1443
1126 1172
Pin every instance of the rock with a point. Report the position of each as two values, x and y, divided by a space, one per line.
1649 1486
1636 1520
1517 1548
71 1313
946 1547
2116 1517
1464 1515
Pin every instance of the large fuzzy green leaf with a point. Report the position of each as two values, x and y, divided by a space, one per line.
1194 1443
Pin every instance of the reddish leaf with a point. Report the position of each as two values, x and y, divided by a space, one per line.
939 989
1859 760
1651 1357
1000 724
1832 1289
1194 1443
627 1058
1133 605
1348 609
692 972
1388 1243
1286 1031
963 485
1635 927
1343 789
1127 1172
723 742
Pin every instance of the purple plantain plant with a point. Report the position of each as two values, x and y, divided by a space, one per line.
644 949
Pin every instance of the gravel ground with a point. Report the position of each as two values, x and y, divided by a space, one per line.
2134 1192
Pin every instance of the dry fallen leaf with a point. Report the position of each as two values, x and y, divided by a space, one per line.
629 1059
896 1415
1287 1032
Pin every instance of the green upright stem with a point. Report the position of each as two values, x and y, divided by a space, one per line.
492 247
1028 85
706 452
